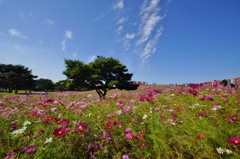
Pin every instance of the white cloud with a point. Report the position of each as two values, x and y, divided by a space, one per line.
14 32
50 22
119 29
68 35
121 20
150 47
148 27
63 45
126 45
119 5
149 18
130 36
92 58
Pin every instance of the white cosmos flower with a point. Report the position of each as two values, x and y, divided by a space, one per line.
144 117
19 131
48 140
26 123
228 151
220 150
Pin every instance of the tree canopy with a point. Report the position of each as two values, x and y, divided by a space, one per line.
44 84
14 77
102 75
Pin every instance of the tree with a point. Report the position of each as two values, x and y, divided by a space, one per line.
103 74
44 84
14 77
64 85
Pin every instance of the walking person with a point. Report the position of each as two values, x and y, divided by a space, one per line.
214 83
224 82
232 82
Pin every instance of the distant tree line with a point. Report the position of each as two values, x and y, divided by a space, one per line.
101 75
15 77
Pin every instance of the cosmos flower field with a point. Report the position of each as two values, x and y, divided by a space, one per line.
155 121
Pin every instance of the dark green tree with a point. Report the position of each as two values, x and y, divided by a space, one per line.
44 84
103 74
62 85
14 77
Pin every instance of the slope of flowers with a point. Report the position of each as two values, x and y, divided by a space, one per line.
153 122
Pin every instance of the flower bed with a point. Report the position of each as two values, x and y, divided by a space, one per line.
151 122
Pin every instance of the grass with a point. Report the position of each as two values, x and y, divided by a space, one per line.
151 122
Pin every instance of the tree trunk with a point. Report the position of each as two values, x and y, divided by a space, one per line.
99 93
16 91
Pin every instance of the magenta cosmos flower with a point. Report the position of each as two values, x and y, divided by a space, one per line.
207 98
193 92
30 149
234 140
60 132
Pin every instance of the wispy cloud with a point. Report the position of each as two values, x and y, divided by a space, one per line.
50 22
92 58
99 17
149 30
150 47
14 32
126 41
149 19
119 29
130 36
68 35
121 20
119 5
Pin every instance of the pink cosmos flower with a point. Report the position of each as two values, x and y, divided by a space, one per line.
119 103
89 95
128 129
119 112
234 117
1 103
129 136
126 108
132 102
207 98
125 157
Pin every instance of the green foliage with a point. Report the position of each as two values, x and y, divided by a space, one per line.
15 77
103 74
44 84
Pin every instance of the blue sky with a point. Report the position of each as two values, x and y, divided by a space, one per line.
160 41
